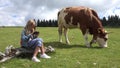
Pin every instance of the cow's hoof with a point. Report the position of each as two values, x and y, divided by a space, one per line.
67 42
60 41
103 46
88 46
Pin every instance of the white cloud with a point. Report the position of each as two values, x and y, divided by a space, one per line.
45 14
11 20
113 11
18 12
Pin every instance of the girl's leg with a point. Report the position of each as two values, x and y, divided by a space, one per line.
43 55
34 58
38 46
36 51
42 49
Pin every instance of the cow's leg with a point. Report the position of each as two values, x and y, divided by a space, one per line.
85 34
60 33
66 35
86 39
93 40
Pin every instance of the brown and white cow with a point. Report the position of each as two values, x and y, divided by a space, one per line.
85 19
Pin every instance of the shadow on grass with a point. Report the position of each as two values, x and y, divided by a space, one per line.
25 56
63 45
57 45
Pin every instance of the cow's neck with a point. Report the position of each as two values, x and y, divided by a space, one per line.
96 25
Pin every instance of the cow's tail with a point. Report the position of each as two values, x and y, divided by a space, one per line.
60 25
58 18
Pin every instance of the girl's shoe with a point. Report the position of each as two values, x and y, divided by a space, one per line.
45 56
35 59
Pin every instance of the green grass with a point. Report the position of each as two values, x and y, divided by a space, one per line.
75 55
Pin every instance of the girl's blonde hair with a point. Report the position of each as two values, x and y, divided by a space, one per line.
30 26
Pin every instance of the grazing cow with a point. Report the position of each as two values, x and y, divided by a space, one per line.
85 19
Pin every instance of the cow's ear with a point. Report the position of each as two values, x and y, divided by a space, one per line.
106 32
99 30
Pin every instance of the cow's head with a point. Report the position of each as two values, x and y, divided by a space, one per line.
102 37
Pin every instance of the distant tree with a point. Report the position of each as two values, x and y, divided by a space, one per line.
104 21
38 22
47 23
112 21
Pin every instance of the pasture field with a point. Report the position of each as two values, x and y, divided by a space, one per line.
75 55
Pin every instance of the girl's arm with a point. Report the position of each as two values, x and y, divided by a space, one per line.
24 36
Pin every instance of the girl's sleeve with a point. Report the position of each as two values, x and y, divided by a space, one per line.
41 40
25 37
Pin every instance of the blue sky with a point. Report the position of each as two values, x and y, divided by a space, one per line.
18 12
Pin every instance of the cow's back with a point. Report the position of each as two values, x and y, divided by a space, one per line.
74 16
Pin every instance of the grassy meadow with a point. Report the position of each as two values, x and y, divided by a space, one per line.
75 55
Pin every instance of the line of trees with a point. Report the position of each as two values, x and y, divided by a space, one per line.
47 23
111 21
